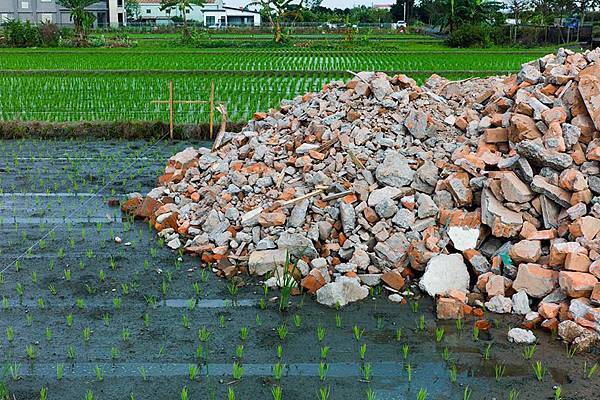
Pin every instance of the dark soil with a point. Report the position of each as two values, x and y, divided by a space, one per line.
73 233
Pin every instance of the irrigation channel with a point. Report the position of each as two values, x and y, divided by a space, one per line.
82 314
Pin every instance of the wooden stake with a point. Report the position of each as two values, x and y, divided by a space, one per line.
212 108
171 109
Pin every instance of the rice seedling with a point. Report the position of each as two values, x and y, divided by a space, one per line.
239 351
323 367
60 368
233 289
244 333
338 321
106 319
258 320
422 394
405 350
71 352
184 393
539 370
453 373
421 323
185 321
467 393
125 334
203 334
324 352
14 370
89 395
414 306
323 393
86 333
439 334
146 319
570 350
114 353
297 321
10 334
279 350
277 392
398 334
278 370
44 393
193 372
380 323
362 350
589 373
282 331
487 351
475 333
499 371
98 373
557 393
143 373
80 303
230 393
357 332
320 333
29 319
459 324
409 371
366 370
237 371
446 354
30 352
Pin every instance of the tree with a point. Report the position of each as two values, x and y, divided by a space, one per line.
133 10
82 19
276 11
183 6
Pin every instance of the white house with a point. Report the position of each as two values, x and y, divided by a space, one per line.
213 13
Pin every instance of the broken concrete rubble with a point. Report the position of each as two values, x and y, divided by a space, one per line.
380 181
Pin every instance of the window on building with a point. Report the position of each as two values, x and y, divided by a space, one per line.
45 1
148 11
210 20
119 3
4 18
168 11
45 17
187 11
25 5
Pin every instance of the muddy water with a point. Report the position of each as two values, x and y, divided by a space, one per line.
134 304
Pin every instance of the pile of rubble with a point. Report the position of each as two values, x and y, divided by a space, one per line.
482 191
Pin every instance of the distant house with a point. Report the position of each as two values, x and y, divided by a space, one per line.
107 12
213 13
383 6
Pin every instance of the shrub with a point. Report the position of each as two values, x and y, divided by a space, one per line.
49 34
19 34
470 36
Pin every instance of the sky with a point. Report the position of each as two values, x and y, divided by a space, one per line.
326 3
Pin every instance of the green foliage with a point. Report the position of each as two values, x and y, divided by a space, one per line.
82 19
470 36
22 34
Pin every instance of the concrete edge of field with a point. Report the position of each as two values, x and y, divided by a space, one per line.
106 130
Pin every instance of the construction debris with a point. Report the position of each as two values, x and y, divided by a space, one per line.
380 181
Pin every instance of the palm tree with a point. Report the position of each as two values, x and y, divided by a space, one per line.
183 6
81 18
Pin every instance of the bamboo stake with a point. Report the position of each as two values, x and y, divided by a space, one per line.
171 109
212 107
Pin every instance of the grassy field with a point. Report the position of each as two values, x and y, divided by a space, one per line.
119 84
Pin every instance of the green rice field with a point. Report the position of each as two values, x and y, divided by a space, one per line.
120 84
